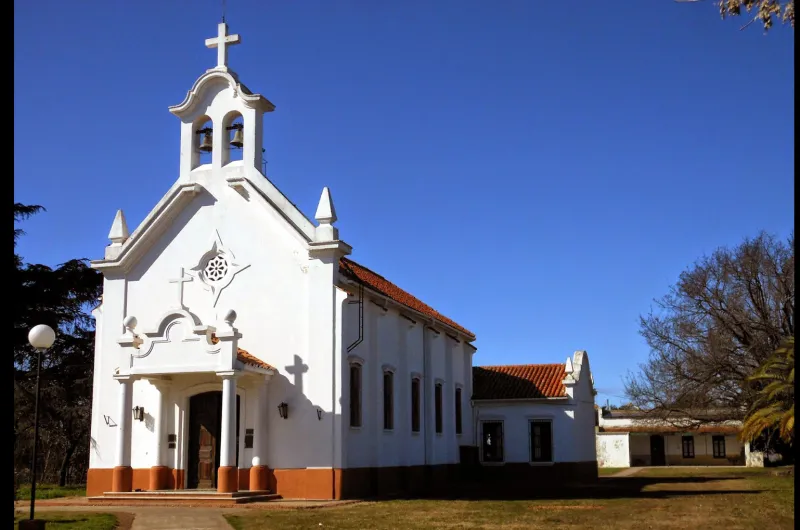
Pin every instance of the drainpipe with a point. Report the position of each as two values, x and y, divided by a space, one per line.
425 376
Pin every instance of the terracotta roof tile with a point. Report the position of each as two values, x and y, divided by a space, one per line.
522 381
252 360
381 285
245 356
663 429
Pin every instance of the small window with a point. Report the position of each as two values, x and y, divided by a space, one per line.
492 441
438 398
388 400
355 395
688 446
415 416
718 444
458 411
541 439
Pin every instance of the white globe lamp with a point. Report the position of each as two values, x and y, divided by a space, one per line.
42 337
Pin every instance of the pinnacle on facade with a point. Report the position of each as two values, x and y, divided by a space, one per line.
326 215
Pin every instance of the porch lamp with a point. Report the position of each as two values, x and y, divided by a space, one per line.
283 410
138 413
41 337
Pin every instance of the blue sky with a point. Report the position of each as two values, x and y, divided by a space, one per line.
539 172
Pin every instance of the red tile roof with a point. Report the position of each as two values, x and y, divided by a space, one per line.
522 381
245 356
381 285
664 429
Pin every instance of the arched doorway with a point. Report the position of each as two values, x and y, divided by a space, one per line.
205 420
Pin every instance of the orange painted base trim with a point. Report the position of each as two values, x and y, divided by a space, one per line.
259 478
227 479
244 479
122 479
100 480
351 483
178 479
160 477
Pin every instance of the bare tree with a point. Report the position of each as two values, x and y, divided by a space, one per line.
725 316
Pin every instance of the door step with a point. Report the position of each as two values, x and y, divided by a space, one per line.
182 497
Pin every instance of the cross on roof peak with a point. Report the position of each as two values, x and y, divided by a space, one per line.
221 42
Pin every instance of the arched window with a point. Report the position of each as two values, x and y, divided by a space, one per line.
415 404
388 399
355 394
437 396
458 411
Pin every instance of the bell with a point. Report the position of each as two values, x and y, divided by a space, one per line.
238 139
206 146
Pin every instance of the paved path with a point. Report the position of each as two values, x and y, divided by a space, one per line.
180 519
157 517
627 472
177 517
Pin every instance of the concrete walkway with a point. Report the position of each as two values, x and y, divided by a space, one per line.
156 517
179 519
175 517
627 472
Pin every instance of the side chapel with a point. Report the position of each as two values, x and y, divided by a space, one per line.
238 348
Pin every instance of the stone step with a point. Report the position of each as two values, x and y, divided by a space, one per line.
181 497
186 493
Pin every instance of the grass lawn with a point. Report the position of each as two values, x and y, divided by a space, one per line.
605 471
733 498
74 521
50 491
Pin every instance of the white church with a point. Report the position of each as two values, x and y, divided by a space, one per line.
239 349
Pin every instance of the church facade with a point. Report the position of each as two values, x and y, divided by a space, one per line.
238 347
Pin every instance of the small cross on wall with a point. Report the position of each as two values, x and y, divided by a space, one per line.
221 43
180 280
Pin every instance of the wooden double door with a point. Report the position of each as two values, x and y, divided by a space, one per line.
205 430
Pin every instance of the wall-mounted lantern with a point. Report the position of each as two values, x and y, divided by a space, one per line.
283 410
138 413
319 413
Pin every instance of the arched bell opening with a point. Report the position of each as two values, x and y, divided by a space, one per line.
203 142
234 128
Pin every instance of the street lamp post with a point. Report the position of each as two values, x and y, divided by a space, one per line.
41 337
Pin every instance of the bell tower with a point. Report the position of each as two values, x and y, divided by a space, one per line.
219 115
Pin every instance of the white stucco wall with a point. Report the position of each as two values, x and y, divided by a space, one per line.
515 418
613 450
391 342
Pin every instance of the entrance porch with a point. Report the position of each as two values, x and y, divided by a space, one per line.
203 403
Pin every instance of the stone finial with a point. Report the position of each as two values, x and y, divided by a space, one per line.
119 230
326 215
230 317
568 366
130 323
118 235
